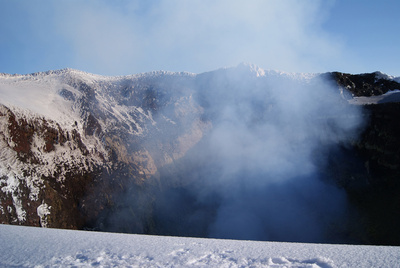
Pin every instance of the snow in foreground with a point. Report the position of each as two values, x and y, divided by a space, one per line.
38 247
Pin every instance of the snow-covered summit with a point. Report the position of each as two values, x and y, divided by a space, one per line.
381 75
251 70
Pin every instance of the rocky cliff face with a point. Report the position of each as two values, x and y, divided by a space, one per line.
372 171
140 153
44 168
60 169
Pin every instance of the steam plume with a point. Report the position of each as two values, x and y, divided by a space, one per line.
260 167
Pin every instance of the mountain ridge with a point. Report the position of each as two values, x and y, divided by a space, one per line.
250 66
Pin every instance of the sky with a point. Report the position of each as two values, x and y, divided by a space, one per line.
127 37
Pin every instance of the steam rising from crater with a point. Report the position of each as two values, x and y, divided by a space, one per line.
258 173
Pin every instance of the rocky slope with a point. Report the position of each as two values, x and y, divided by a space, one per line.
60 164
107 153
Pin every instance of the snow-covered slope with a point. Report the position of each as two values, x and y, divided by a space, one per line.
61 127
34 247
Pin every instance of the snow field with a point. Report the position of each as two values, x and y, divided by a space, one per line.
41 247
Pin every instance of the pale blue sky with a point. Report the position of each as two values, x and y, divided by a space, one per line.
122 37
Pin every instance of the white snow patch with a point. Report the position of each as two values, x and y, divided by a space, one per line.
291 75
380 75
11 187
43 211
40 96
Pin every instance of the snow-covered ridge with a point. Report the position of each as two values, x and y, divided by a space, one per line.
257 71
292 75
44 92
54 94
68 74
96 77
380 75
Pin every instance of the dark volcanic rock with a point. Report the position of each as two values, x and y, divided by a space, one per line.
369 84
379 200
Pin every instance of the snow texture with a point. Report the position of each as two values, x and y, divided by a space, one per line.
38 247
